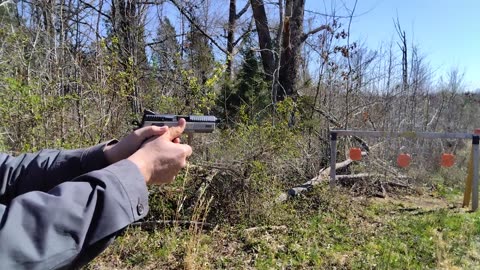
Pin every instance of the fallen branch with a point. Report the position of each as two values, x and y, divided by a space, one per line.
384 192
395 184
353 180
358 176
322 175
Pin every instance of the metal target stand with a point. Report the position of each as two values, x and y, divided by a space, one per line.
412 135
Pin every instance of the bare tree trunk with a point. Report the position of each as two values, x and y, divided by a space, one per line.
264 38
230 37
291 45
404 48
286 63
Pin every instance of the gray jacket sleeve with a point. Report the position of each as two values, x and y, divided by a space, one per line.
45 169
47 222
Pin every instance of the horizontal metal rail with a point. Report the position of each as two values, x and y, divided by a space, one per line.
405 134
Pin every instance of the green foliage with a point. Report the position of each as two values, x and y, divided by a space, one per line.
196 97
328 231
260 157
25 115
7 17
165 56
201 95
200 58
249 96
122 74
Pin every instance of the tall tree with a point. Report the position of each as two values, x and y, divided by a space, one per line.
290 39
128 26
233 17
199 54
264 38
250 93
166 58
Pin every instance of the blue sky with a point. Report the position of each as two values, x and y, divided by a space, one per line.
447 32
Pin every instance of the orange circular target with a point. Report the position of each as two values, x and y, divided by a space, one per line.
403 160
355 154
447 160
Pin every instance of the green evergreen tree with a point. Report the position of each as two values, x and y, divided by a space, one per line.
199 55
249 95
166 91
166 48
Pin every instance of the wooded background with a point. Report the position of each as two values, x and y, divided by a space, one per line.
82 69
74 73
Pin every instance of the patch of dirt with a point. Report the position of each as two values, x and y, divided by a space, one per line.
422 203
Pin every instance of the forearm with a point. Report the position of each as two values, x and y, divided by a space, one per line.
45 169
51 230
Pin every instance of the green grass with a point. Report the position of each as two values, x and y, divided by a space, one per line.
319 231
435 239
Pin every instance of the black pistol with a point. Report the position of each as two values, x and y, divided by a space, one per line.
195 123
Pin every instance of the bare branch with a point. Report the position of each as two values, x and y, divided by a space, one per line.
244 9
314 31
334 121
6 3
185 13
97 10
247 32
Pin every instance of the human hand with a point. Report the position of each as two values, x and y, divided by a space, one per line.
131 143
160 158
